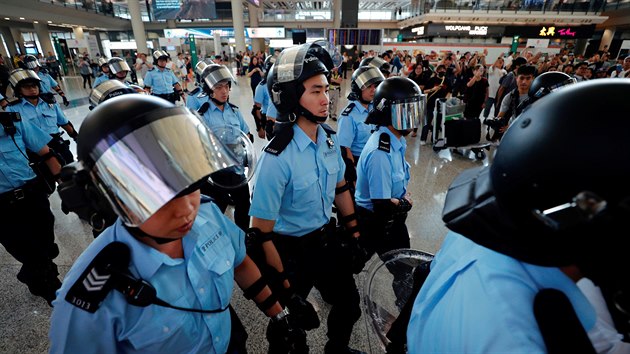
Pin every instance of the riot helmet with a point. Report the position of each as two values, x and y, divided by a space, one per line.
160 54
547 83
398 102
31 62
142 151
119 66
379 63
268 64
216 75
108 89
294 66
362 78
20 77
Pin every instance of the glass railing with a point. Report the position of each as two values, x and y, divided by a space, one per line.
588 7
103 7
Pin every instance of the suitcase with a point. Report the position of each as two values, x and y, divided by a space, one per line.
462 132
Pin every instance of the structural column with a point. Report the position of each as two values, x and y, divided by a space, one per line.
10 41
17 38
239 27
217 43
336 13
137 26
44 37
607 38
78 34
258 44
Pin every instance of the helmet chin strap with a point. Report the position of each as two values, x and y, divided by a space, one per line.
137 233
363 101
301 111
217 102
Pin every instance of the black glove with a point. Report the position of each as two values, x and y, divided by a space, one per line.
302 312
285 337
251 137
356 254
65 101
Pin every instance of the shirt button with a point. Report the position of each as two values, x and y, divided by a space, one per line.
202 290
165 329
228 262
216 339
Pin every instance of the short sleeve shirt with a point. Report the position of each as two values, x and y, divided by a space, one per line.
353 131
46 116
161 82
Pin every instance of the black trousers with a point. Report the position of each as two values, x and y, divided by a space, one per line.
239 197
28 235
311 261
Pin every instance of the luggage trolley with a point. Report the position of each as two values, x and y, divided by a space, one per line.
452 130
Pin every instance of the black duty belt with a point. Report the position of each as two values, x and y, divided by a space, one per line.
18 193
312 240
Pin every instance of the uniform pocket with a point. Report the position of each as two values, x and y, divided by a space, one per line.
305 190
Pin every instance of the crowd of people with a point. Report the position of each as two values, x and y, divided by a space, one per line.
161 163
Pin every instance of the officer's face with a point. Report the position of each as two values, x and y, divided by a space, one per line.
175 218
221 91
368 93
315 98
121 74
29 89
161 63
105 68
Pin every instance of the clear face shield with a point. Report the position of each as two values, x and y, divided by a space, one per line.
369 77
119 66
160 54
200 67
18 75
168 154
211 78
242 150
33 64
289 64
108 89
408 113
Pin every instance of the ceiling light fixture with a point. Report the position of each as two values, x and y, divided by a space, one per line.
35 21
6 18
21 18
49 21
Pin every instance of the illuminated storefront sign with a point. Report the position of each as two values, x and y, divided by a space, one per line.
551 31
472 30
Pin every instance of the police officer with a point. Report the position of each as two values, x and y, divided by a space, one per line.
382 197
108 89
527 231
261 100
105 72
217 113
160 279
47 83
161 81
197 93
353 131
41 110
299 177
27 221
118 69
379 63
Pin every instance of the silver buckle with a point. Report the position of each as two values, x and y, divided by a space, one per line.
18 194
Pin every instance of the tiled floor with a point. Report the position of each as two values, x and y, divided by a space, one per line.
24 318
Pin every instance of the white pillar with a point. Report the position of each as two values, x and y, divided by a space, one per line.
607 38
137 26
239 28
17 37
257 43
336 13
217 43
78 34
44 38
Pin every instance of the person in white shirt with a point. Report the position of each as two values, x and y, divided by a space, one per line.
495 73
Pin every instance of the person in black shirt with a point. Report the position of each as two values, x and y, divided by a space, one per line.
437 87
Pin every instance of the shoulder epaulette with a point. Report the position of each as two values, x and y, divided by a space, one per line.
348 109
13 101
280 141
233 106
206 199
328 129
204 108
195 91
384 142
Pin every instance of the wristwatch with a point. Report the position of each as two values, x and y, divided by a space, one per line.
280 315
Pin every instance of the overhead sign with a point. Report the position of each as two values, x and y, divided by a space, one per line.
169 42
419 31
551 31
264 32
77 43
537 43
198 32
456 30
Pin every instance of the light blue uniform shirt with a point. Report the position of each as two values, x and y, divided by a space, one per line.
262 97
476 300
193 99
215 117
161 82
272 111
47 82
47 117
353 132
203 279
297 187
100 79
381 175
14 168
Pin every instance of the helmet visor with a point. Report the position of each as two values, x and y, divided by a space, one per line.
119 66
107 90
160 54
369 77
19 75
544 91
290 63
102 61
408 113
145 168
218 75
32 64
200 67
